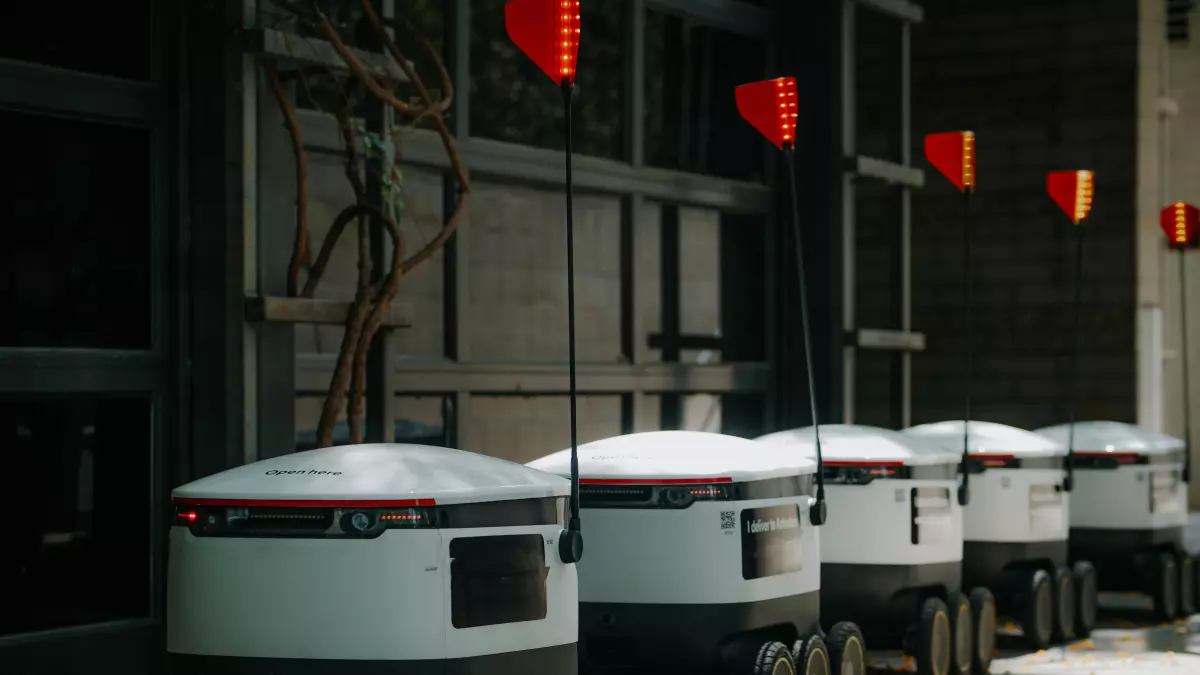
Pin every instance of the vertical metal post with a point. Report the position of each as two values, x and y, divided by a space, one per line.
456 289
249 89
633 208
671 410
905 357
849 232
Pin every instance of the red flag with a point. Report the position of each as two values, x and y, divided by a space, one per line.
1072 191
953 154
548 32
1181 223
770 107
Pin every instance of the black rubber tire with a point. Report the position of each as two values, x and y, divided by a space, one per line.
774 658
1087 604
814 657
1187 585
933 645
1165 589
847 649
1035 606
962 633
983 614
1064 605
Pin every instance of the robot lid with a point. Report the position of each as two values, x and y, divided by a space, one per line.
677 456
862 444
987 438
384 475
1114 437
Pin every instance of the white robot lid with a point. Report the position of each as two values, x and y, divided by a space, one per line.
677 456
987 438
384 474
1114 437
861 443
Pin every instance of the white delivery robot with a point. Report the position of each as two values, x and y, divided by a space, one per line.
1128 511
1015 529
372 559
702 558
891 553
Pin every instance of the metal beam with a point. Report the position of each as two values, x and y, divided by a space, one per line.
317 311
901 9
31 87
79 370
888 172
895 340
731 16
313 371
512 162
297 49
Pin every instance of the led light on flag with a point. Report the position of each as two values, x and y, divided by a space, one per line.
548 32
952 153
1181 223
1072 191
770 107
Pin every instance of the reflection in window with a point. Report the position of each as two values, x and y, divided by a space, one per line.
75 265
95 37
692 123
497 579
77 538
512 100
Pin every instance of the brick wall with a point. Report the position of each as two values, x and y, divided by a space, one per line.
1046 86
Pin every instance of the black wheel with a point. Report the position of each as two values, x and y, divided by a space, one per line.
814 657
983 613
847 649
932 649
774 658
1165 591
1035 606
962 633
1086 604
1187 585
1064 605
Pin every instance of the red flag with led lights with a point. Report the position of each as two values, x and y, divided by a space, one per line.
770 107
953 155
1181 223
1072 191
548 32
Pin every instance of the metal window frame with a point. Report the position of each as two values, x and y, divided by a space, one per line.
905 178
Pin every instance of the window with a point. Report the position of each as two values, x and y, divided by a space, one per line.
419 420
75 267
512 100
78 509
498 579
524 428
878 84
692 123
102 38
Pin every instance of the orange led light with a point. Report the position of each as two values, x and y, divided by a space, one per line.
548 32
770 106
952 153
1181 223
1083 195
968 159
1073 192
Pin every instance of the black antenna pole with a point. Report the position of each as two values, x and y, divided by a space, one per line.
964 489
570 545
1077 309
817 515
1187 408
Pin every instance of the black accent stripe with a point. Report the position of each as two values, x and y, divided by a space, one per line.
864 473
560 660
632 496
1103 460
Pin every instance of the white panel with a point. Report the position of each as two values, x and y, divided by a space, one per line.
1016 505
1119 499
870 525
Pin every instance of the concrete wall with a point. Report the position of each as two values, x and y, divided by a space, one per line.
1046 86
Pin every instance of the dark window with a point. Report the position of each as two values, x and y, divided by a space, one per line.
512 100
94 37
500 579
77 506
75 265
878 84
691 115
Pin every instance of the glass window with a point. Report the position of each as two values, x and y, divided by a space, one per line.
497 579
75 265
877 89
419 420
512 100
78 510
524 428
103 38
692 123
740 415
518 275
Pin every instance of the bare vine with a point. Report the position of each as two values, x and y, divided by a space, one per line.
373 299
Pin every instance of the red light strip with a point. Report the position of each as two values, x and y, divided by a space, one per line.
649 481
309 503
842 463
991 456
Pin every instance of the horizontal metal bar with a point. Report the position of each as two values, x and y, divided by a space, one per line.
78 370
317 311
901 9
33 87
894 340
654 341
731 16
313 372
513 162
290 47
889 172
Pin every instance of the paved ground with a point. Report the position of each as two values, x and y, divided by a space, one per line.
1125 644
